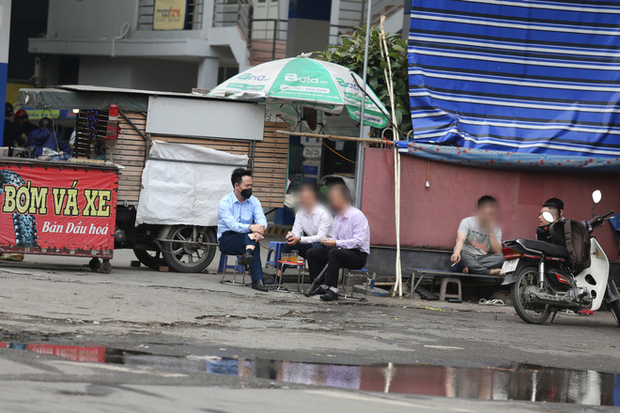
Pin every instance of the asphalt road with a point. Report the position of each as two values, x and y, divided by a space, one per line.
151 341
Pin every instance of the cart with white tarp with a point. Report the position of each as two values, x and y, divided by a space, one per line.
175 154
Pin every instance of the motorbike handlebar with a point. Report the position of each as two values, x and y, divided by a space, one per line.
607 214
597 221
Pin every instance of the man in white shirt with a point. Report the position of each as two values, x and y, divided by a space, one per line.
313 222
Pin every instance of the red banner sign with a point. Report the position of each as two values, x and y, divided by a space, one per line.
56 209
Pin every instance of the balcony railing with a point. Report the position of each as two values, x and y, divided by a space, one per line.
267 40
230 13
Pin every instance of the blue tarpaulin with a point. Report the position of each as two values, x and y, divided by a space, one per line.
487 158
520 77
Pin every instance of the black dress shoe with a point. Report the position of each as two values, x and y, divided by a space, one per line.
259 286
247 258
330 296
318 291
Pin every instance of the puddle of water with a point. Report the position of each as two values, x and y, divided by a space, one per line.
88 354
519 382
515 382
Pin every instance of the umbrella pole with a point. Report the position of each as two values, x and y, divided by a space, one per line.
359 165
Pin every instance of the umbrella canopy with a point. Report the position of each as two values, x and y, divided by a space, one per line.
302 81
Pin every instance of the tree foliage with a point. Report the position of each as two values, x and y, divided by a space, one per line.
351 54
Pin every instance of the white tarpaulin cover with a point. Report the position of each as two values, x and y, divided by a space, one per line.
188 191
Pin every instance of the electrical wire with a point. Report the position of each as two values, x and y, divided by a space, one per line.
334 151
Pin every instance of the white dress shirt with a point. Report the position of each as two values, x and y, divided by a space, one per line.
312 227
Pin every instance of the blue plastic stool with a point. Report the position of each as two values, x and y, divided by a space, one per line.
274 254
224 265
237 269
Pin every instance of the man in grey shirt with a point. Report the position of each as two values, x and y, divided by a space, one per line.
478 247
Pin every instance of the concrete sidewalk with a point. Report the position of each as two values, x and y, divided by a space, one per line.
184 318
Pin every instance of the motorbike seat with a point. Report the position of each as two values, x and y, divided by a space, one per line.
546 248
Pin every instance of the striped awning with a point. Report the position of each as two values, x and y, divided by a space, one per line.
517 76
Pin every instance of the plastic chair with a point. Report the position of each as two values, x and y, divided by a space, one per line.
238 269
348 282
274 254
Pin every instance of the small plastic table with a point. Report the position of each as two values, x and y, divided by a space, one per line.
301 268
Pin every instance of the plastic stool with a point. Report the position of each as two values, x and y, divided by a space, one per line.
236 267
348 277
275 248
444 286
223 265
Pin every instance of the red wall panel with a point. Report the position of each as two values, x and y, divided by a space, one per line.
430 216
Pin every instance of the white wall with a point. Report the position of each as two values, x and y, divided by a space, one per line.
151 74
90 19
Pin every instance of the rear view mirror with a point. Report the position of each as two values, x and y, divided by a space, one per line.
597 196
548 216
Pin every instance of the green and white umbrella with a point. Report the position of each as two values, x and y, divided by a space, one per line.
302 81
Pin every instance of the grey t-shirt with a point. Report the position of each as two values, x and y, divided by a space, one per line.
478 241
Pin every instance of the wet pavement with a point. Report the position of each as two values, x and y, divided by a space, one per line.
507 382
141 340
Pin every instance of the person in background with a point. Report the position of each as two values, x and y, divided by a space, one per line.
542 231
12 134
557 203
72 139
45 137
313 222
241 225
478 247
23 122
349 248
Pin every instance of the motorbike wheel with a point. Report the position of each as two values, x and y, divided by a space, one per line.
530 313
615 310
614 307
152 259
185 256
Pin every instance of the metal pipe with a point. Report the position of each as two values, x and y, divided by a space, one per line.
333 137
133 125
541 273
359 166
192 162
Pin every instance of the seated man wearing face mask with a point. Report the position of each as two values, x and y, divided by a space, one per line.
241 225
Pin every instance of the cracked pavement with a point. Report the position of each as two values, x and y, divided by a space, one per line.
59 301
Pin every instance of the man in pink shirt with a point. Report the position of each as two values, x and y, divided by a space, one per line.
349 248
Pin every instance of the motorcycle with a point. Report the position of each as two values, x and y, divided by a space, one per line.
545 277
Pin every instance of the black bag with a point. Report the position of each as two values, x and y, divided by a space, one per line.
573 235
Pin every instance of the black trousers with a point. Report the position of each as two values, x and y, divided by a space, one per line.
235 243
336 258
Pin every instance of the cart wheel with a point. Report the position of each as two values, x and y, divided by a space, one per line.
152 259
94 264
106 267
187 254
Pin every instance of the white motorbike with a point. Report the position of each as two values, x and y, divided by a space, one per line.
548 277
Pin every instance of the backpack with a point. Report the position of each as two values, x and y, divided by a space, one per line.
573 235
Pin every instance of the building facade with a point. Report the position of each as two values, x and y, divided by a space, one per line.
175 45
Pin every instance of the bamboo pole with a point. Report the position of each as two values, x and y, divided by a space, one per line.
387 71
334 137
